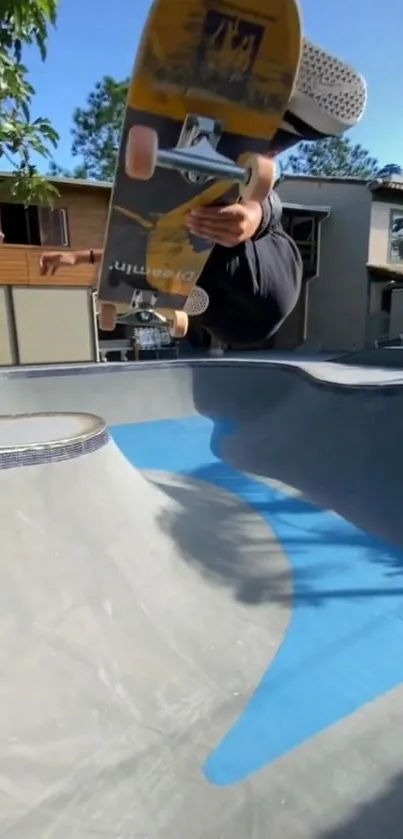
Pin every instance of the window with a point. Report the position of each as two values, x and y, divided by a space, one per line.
395 248
53 227
304 231
34 226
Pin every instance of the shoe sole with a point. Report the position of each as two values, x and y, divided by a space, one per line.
197 302
330 96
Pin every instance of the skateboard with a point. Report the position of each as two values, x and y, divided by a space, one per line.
210 86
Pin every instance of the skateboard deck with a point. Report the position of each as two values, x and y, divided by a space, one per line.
209 89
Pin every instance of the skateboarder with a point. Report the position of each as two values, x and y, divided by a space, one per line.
253 275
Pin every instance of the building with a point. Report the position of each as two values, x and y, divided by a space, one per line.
349 232
49 319
354 297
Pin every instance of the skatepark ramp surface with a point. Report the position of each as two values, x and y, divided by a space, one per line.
384 357
202 598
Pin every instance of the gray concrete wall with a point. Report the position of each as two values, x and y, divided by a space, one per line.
338 299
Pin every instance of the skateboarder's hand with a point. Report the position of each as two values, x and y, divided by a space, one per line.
51 261
226 226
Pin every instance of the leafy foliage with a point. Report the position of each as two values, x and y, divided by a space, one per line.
97 128
23 22
390 170
79 172
334 157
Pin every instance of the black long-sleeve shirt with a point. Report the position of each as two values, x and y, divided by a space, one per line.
254 286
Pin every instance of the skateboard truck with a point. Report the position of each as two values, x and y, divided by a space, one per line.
196 156
200 136
142 310
202 159
143 317
143 300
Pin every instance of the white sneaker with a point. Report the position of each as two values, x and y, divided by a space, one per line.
330 97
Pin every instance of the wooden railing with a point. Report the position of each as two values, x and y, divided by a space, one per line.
19 265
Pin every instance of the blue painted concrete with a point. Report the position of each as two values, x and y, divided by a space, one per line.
343 647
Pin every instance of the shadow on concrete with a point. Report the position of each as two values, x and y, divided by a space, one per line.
225 542
381 817
239 548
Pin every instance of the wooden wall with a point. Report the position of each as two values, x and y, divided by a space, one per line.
87 213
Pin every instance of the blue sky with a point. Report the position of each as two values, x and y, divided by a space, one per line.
95 38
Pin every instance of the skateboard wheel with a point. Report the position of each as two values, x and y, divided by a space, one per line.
141 152
180 324
262 178
107 317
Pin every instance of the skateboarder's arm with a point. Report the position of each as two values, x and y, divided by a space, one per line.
228 225
254 285
52 260
271 209
89 255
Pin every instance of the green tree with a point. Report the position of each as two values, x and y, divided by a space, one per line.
79 172
389 171
23 22
97 128
334 157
